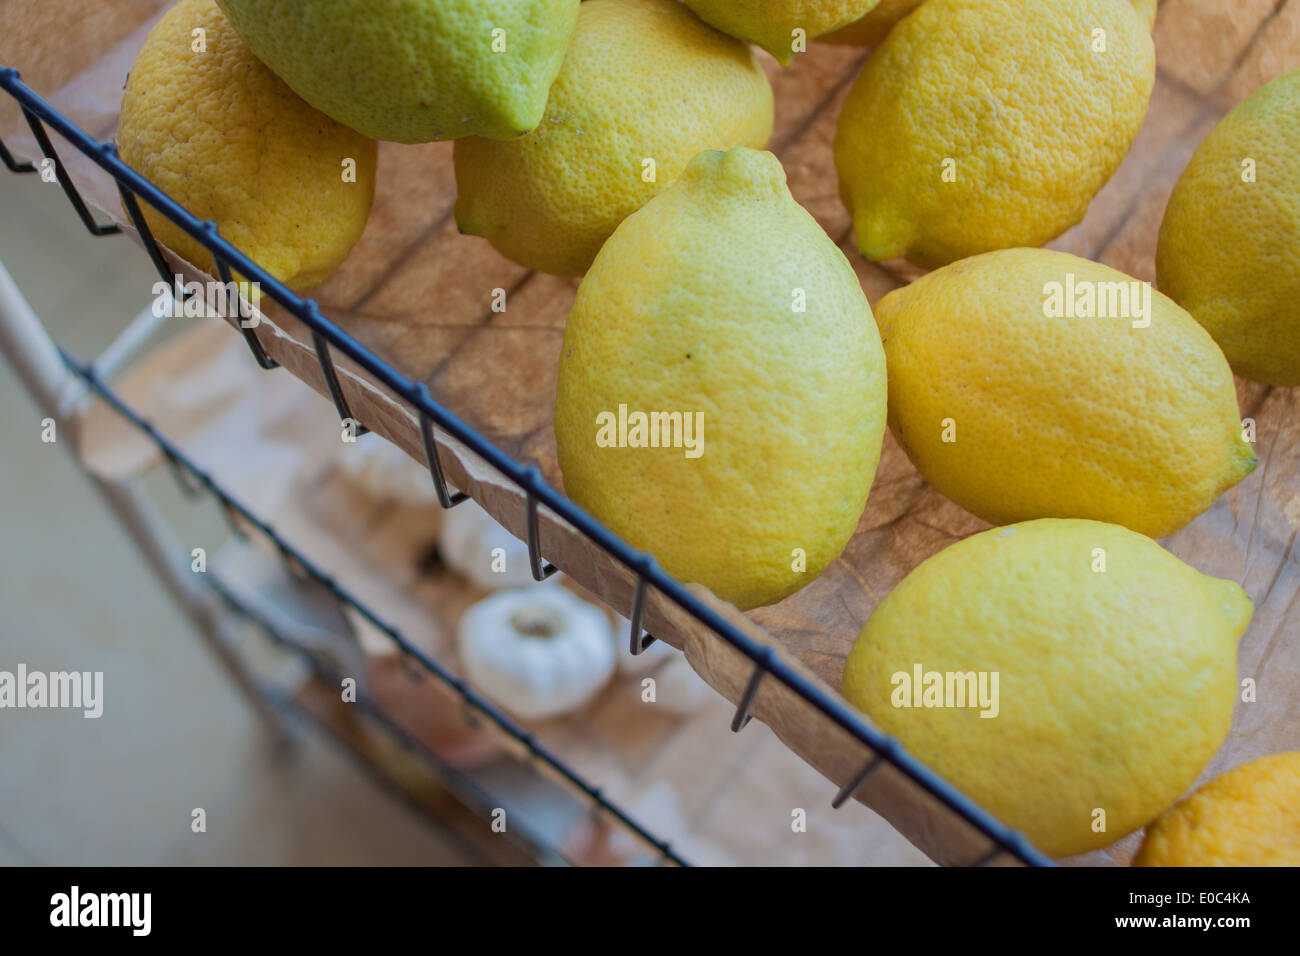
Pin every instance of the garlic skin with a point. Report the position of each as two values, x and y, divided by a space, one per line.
467 540
539 652
383 470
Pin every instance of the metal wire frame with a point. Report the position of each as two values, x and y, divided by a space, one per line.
132 207
446 498
69 188
193 479
467 790
637 641
326 334
13 165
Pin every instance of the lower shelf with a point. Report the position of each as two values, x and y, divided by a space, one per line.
714 796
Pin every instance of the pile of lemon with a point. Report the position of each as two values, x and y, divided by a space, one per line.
724 385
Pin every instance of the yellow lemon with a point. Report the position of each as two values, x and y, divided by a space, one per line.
1033 384
213 128
781 27
645 87
721 397
1229 248
411 71
872 28
1071 677
987 124
1250 816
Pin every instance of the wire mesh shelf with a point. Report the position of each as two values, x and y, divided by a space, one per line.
327 338
195 481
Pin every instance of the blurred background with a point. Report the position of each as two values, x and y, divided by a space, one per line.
175 734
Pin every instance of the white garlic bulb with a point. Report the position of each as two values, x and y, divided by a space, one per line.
539 652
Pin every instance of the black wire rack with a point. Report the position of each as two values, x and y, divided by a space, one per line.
465 790
194 481
327 337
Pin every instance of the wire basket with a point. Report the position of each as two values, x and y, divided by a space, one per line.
437 426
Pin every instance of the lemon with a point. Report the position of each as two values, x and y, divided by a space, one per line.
723 303
987 124
872 28
1033 384
1071 677
214 129
1229 248
1250 816
412 71
780 26
645 87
